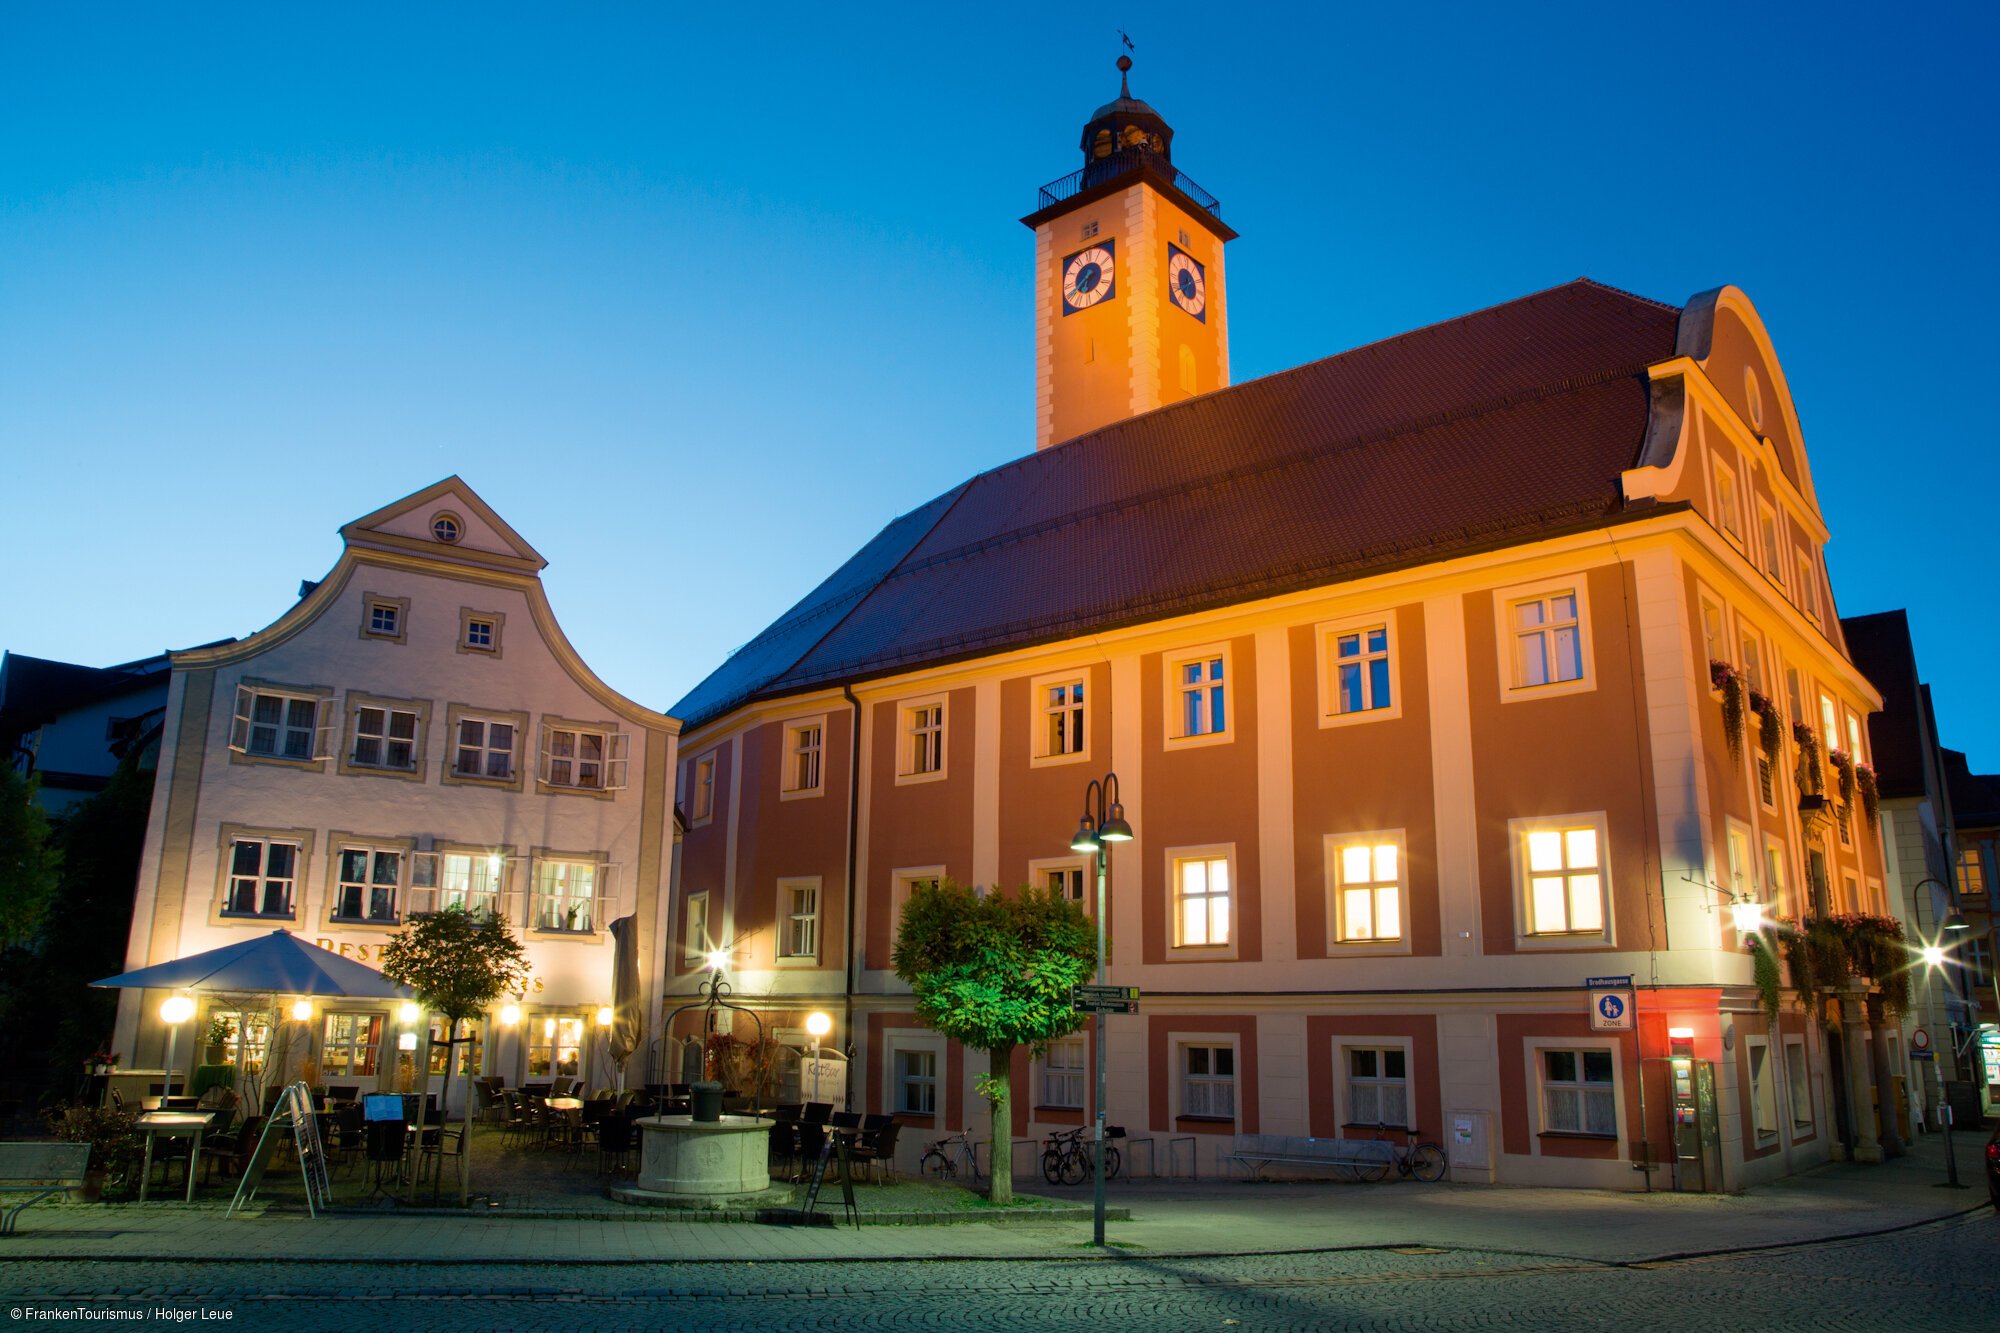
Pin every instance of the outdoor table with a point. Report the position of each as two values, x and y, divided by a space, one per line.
175 1125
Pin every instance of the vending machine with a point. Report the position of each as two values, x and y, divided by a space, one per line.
1697 1135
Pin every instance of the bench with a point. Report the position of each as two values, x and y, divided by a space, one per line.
1354 1159
29 1168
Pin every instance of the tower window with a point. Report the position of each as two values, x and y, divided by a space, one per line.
1187 369
1090 229
1184 241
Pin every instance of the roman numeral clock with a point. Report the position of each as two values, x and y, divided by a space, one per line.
1187 282
1088 277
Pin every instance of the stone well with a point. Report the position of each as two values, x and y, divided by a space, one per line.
684 1158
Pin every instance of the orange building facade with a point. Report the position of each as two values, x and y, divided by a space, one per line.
1403 661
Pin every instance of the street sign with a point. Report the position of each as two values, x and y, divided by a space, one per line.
1608 983
1610 1008
1920 1040
1923 1055
1104 1000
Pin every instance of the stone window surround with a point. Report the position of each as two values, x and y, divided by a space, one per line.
350 726
371 600
608 730
324 694
498 619
336 841
225 840
453 714
604 902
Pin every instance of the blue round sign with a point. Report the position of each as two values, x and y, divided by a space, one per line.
1611 1006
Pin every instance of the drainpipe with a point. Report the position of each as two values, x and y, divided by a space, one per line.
853 890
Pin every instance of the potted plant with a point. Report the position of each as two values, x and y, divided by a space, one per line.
113 1137
1724 677
102 1061
1871 792
220 1030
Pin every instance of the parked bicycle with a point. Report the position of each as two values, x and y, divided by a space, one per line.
1425 1161
1066 1156
943 1158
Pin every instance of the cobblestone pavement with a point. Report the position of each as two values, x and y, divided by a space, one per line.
1938 1277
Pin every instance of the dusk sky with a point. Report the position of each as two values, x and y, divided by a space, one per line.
699 298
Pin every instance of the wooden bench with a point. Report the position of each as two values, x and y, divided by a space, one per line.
1354 1159
38 1170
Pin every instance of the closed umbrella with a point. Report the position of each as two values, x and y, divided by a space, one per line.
627 1015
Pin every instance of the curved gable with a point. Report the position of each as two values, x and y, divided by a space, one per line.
1722 332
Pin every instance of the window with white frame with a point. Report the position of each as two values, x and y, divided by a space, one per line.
1578 1088
1753 659
555 1046
1201 695
271 724
1063 1074
385 738
694 933
704 788
1763 1089
804 744
1368 877
583 758
482 633
484 748
366 881
1714 641
1829 723
1062 718
799 929
916 1075
1562 875
1798 1084
350 1045
262 875
566 895
1727 506
1740 880
1854 751
923 739
1547 639
1361 671
1208 1082
1767 531
1378 1085
1201 899
1776 891
1068 880
468 880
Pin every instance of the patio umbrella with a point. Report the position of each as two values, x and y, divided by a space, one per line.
627 1017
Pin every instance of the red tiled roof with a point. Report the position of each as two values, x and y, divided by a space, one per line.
1501 425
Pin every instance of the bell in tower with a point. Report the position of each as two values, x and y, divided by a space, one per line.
1130 313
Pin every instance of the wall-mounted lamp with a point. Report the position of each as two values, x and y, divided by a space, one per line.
510 1014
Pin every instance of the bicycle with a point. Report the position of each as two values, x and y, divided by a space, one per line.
1425 1161
1066 1157
939 1160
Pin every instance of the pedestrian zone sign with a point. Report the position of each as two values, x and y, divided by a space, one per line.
1610 1004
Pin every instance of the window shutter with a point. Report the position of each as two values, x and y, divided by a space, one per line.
323 730
543 773
615 762
607 883
239 725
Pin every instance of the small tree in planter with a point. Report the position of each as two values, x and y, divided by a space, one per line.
115 1146
994 972
1724 677
459 963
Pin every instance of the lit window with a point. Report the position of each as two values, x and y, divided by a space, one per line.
1062 718
1577 1092
262 874
1767 530
1971 873
587 760
385 738
1201 901
923 739
1763 1090
565 895
1774 879
1854 740
1062 1073
471 1046
472 881
1208 1082
1564 878
1712 637
1548 640
351 1045
1753 661
1740 882
704 787
803 744
279 726
1368 889
1829 724
368 880
916 1082
1378 1086
1203 697
1806 583
1361 670
555 1046
800 937
485 749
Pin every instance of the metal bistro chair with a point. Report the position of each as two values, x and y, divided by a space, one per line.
615 1137
876 1149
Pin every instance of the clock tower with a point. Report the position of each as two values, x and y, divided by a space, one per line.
1130 312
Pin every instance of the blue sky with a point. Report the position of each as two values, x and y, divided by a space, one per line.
698 301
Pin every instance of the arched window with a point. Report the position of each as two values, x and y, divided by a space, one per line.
1187 369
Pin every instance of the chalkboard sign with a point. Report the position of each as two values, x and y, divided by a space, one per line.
294 1110
834 1148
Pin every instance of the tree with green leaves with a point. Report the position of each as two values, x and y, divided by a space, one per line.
459 963
28 860
994 972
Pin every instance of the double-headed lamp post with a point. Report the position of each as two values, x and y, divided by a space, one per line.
1103 824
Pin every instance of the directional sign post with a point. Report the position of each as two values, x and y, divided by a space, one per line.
1610 1003
1104 1000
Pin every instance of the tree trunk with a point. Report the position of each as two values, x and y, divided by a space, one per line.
1000 1189
1885 1086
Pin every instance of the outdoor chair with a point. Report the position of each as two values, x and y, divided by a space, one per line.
817 1113
343 1092
349 1139
876 1148
614 1142
231 1151
787 1110
438 1144
845 1120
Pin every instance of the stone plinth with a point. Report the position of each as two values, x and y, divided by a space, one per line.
684 1158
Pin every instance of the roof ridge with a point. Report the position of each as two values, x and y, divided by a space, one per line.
1414 426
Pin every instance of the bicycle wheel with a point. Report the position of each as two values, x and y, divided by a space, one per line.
1427 1162
1372 1162
1112 1161
936 1164
1075 1167
1052 1166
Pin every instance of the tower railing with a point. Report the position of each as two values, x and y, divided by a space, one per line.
1126 162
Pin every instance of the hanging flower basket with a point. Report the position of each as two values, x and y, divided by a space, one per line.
1871 792
1843 767
1726 678
1810 779
1770 726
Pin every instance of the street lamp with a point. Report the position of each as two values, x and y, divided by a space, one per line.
1103 823
817 1025
175 1010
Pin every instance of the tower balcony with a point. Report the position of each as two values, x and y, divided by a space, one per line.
1134 160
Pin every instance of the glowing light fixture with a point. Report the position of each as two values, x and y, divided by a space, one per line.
818 1024
177 1009
604 1016
406 1041
718 959
1933 956
1681 1034
302 1011
409 1013
1747 916
1086 837
510 1014
1957 921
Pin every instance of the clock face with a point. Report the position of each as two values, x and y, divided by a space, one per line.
1086 277
1187 282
